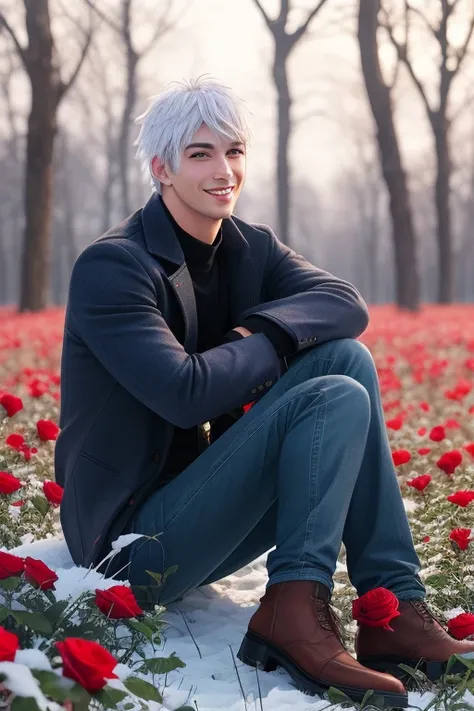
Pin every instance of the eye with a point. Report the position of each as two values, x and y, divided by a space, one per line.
237 150
198 154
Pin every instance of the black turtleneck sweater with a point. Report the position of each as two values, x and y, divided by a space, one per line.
214 328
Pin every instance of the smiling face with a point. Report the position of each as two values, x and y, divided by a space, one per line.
205 188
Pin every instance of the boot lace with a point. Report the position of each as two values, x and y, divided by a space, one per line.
425 612
327 618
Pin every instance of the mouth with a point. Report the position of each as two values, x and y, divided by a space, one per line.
221 192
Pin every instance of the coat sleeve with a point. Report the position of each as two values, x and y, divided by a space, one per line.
312 305
113 309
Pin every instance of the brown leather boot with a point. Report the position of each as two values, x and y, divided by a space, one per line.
418 640
295 628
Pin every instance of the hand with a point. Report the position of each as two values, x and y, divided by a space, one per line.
243 331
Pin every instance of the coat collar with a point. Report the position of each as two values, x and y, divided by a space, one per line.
162 242
241 269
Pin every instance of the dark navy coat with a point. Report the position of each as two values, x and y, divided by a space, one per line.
130 371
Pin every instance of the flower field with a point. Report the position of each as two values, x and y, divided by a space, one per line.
426 370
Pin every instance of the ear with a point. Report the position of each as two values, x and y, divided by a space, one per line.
159 171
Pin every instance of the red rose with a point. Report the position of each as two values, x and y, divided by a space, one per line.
247 407
47 430
401 456
15 440
376 608
87 663
9 483
437 434
10 565
462 626
396 423
38 573
425 406
53 492
426 539
449 461
461 536
9 645
117 602
420 482
470 448
422 431
424 450
461 498
11 403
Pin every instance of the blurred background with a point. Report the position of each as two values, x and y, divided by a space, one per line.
362 156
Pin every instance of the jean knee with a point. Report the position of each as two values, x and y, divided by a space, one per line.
340 387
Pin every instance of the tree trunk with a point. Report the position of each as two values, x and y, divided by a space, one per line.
407 278
443 212
284 129
39 158
128 107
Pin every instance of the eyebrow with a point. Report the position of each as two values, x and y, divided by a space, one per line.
210 146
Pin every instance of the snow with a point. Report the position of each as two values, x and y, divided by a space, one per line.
205 631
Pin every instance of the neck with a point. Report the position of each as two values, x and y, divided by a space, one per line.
194 223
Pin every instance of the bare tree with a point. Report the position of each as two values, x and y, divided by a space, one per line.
379 94
451 60
284 44
133 56
40 61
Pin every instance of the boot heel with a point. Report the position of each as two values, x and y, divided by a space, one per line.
254 652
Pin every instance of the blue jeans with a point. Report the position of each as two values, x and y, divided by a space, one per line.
307 467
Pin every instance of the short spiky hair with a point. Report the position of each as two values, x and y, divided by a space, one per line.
175 115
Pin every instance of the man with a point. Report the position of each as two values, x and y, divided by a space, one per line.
177 320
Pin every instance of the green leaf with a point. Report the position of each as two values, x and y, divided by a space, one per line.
143 689
440 580
24 703
41 504
10 583
169 571
451 661
336 696
34 620
155 576
110 697
50 685
162 665
4 612
414 673
142 628
54 611
468 663
366 698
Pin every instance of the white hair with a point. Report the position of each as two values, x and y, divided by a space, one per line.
174 116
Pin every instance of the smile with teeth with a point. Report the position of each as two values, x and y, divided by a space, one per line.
221 191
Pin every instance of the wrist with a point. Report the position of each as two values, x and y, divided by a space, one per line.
243 331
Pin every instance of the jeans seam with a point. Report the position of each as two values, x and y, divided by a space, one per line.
318 433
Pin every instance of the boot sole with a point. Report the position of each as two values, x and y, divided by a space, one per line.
389 664
258 652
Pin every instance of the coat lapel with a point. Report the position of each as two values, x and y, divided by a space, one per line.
236 260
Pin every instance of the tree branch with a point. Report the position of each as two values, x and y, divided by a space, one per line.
105 18
22 52
416 11
297 34
461 53
66 85
164 25
267 19
402 53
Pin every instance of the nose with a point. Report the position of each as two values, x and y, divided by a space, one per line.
223 170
